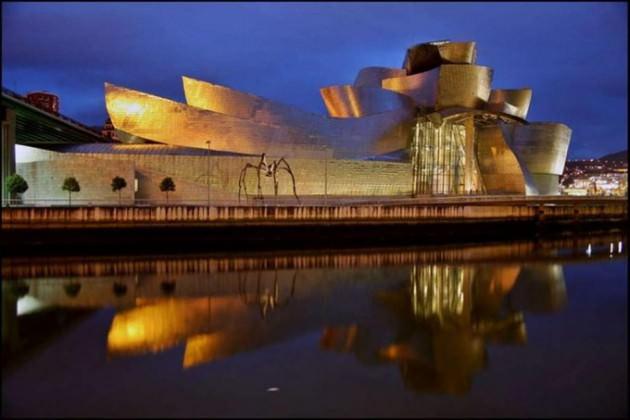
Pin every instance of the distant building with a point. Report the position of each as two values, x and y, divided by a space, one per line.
596 177
44 100
109 130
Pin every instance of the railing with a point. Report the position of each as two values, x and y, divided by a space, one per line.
312 201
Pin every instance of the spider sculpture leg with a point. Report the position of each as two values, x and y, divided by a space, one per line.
241 179
260 194
287 168
275 180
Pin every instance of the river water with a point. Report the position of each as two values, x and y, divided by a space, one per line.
530 328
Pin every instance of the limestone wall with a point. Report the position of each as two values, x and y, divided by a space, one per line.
344 177
46 177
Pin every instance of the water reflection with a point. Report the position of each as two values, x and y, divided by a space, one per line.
430 312
440 323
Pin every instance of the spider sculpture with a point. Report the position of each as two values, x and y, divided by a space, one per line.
269 170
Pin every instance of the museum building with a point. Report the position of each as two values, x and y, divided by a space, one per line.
435 126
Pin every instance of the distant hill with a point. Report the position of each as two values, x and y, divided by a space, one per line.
619 156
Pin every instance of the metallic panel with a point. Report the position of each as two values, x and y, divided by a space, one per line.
372 76
450 85
500 170
515 101
217 98
170 122
502 107
542 147
426 56
224 100
547 184
346 101
421 87
458 52
296 134
463 85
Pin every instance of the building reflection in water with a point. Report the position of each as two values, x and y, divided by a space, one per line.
433 320
228 321
446 315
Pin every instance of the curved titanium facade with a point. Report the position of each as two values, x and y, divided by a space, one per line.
465 86
499 167
381 113
170 122
347 101
421 87
167 121
450 85
543 148
502 107
224 100
426 56
372 76
516 101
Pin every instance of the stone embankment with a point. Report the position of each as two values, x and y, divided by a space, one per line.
545 210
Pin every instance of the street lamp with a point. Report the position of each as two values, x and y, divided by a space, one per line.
209 143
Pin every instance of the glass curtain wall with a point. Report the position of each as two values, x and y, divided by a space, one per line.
439 159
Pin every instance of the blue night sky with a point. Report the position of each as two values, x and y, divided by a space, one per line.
573 55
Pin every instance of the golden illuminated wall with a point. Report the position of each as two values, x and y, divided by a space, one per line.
372 76
499 167
511 101
449 85
463 85
224 100
421 87
170 122
348 101
382 128
174 123
458 52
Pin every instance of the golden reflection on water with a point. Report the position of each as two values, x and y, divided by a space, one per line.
446 316
433 320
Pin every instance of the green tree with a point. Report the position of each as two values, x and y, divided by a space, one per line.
167 185
118 183
15 184
71 185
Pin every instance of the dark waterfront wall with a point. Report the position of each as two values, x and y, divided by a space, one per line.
160 229
45 217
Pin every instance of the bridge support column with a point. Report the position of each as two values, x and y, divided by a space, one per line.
7 149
